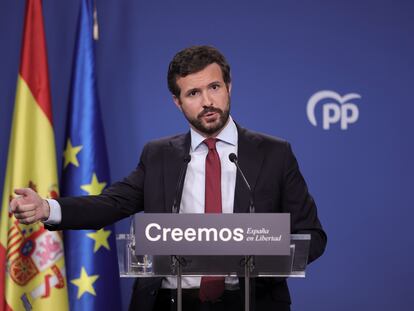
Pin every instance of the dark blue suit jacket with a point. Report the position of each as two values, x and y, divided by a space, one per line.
269 166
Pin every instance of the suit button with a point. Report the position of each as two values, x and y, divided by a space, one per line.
153 292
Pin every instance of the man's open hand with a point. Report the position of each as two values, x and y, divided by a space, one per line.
29 207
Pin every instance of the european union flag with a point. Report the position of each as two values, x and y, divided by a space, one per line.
91 261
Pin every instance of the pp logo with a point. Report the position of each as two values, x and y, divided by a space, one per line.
342 110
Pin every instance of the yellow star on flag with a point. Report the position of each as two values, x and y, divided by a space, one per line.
101 239
95 187
85 283
70 154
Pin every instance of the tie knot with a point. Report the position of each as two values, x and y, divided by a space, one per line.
211 143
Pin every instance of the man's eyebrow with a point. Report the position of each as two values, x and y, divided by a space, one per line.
215 83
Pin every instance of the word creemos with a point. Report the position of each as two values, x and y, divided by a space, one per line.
154 232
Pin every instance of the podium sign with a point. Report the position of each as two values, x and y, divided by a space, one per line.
212 234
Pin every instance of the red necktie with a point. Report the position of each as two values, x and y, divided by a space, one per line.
212 288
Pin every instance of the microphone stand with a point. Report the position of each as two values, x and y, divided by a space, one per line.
248 259
176 260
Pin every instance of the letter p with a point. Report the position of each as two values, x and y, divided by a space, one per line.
349 114
331 114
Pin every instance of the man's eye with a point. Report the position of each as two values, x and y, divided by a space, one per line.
193 93
215 86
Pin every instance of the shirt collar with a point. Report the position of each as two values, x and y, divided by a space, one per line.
228 135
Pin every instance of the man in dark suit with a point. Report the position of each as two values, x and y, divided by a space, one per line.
199 79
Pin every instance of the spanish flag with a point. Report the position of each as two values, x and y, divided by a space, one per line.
32 275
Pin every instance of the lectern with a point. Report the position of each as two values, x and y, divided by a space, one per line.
238 245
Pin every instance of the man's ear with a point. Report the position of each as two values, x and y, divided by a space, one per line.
177 102
229 88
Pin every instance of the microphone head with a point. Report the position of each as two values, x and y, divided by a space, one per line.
233 157
187 158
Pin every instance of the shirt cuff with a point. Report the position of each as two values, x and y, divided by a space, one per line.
55 216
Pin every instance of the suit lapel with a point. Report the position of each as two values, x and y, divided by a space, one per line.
250 158
173 161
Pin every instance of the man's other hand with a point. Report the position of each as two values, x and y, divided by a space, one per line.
29 207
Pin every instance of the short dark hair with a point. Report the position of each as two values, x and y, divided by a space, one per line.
192 60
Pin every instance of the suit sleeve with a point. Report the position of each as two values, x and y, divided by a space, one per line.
118 201
297 200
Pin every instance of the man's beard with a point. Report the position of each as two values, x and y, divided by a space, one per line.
209 130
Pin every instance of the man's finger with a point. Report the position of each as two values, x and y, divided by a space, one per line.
13 205
24 215
23 191
27 221
24 208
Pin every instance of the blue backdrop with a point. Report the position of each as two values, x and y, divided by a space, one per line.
282 53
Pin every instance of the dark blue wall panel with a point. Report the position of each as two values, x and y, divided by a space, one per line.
281 53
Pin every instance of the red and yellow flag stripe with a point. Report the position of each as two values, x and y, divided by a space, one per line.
34 273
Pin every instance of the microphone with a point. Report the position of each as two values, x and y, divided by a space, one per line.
177 197
233 158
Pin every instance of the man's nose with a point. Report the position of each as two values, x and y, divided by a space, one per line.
206 100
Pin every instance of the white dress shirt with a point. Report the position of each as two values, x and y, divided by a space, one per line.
192 200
